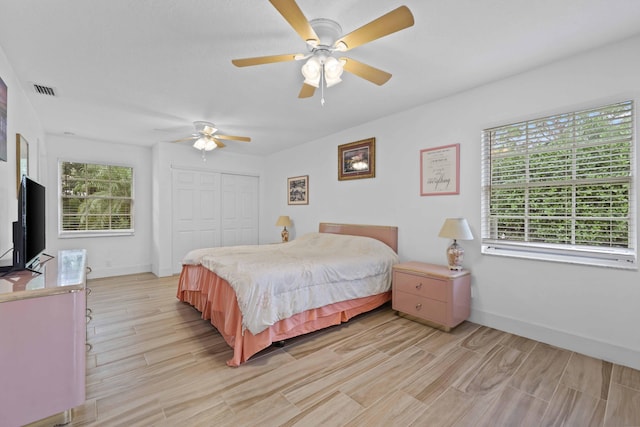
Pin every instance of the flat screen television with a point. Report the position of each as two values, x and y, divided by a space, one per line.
29 239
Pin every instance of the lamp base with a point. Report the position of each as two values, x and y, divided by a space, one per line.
285 235
455 255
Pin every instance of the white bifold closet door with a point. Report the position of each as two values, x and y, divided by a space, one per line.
212 209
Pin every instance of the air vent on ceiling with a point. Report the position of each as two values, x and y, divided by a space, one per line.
44 90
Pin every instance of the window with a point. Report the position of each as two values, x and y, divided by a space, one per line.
95 199
561 188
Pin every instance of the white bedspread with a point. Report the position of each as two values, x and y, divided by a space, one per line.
274 282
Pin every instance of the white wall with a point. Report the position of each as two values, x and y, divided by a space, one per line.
588 309
21 118
107 256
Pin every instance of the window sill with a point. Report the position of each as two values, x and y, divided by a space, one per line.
623 261
83 234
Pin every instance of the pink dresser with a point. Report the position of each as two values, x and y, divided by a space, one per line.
42 340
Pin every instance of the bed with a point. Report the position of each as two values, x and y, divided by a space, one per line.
262 294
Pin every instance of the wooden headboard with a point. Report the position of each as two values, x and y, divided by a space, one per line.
386 234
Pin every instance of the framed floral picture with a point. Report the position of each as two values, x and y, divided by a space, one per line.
298 190
357 160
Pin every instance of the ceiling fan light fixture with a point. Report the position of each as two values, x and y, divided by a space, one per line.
200 143
332 71
332 81
311 71
210 145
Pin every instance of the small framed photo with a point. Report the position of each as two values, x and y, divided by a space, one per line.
357 160
298 190
440 170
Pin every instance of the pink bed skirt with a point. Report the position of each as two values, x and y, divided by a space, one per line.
216 300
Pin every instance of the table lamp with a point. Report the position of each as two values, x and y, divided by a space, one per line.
456 229
284 221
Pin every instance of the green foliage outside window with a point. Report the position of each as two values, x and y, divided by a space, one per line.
96 197
564 179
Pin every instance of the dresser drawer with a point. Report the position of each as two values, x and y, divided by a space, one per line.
420 286
424 308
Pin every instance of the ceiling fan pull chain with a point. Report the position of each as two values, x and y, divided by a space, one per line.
322 85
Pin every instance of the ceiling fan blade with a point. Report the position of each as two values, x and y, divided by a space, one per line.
307 91
191 138
259 60
219 143
208 130
367 72
233 138
396 20
290 11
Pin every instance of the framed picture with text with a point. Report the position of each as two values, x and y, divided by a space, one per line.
440 170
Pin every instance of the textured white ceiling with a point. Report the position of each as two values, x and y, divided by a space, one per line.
141 71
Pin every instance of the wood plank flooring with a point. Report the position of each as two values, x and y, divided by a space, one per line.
154 361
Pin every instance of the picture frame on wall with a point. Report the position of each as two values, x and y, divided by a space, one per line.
357 160
22 158
440 170
298 190
3 120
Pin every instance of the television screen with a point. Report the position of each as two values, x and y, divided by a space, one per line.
29 231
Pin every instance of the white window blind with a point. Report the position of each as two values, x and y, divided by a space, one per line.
95 199
562 188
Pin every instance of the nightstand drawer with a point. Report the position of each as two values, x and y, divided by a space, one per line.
420 286
424 308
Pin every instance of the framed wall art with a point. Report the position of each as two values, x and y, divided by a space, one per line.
298 190
357 160
3 120
440 170
22 158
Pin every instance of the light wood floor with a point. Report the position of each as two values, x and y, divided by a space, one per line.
155 362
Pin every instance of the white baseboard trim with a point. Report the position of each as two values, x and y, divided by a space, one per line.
97 273
580 344
163 272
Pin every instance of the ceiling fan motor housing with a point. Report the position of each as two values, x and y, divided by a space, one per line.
327 31
204 127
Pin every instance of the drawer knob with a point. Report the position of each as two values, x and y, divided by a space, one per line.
419 285
418 306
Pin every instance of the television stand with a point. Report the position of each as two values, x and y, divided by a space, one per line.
5 266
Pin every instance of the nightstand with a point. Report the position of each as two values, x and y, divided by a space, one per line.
432 294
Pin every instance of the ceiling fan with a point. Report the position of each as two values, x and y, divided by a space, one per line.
206 138
322 36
